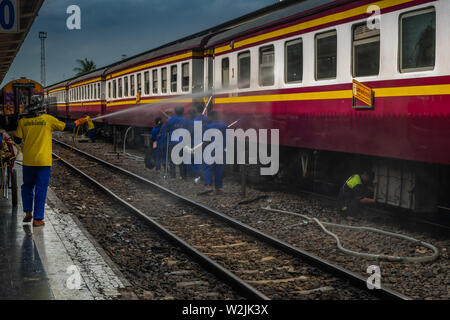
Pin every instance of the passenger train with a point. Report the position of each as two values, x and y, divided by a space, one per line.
14 97
291 66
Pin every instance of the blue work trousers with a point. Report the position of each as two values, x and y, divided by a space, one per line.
34 189
91 134
213 170
158 155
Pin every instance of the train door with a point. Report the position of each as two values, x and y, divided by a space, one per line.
22 93
22 96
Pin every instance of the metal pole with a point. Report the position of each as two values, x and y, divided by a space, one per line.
244 180
115 139
167 155
43 36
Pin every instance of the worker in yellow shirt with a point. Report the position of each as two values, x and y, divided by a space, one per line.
90 128
35 130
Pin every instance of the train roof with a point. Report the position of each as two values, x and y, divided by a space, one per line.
87 76
174 47
293 11
20 80
57 85
246 23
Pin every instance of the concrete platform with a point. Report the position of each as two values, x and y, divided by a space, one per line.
58 261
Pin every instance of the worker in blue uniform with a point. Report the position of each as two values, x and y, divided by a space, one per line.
197 168
191 114
215 169
176 122
35 130
154 143
355 191
162 140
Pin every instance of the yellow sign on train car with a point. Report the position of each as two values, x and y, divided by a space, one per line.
362 93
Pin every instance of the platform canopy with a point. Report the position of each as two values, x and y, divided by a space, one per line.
11 41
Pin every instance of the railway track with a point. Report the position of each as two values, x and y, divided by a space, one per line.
257 265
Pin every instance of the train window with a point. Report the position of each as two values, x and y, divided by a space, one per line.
139 83
225 73
173 78
366 51
147 82
109 89
185 77
266 65
99 91
293 61
114 89
418 40
125 86
164 80
90 91
119 83
326 55
244 70
132 85
155 81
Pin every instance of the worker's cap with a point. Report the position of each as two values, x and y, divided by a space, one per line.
179 110
36 103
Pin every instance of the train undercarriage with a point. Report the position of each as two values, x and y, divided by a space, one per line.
407 185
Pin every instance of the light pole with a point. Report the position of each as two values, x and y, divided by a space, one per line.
43 36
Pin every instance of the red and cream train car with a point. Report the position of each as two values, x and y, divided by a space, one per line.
295 73
161 75
291 67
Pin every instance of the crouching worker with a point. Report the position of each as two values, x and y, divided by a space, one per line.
215 169
35 131
90 128
355 191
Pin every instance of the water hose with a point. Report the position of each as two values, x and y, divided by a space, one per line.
379 257
74 140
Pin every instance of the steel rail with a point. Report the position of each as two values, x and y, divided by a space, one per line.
357 280
224 275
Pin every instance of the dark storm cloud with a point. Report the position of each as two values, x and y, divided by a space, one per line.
112 28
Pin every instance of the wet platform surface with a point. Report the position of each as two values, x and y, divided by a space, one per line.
59 261
22 275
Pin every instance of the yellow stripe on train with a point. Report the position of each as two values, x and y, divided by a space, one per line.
431 90
312 23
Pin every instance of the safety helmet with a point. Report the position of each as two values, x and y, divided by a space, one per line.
36 103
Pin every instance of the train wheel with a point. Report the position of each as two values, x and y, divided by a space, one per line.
14 188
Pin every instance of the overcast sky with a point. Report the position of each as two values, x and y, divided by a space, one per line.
110 28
